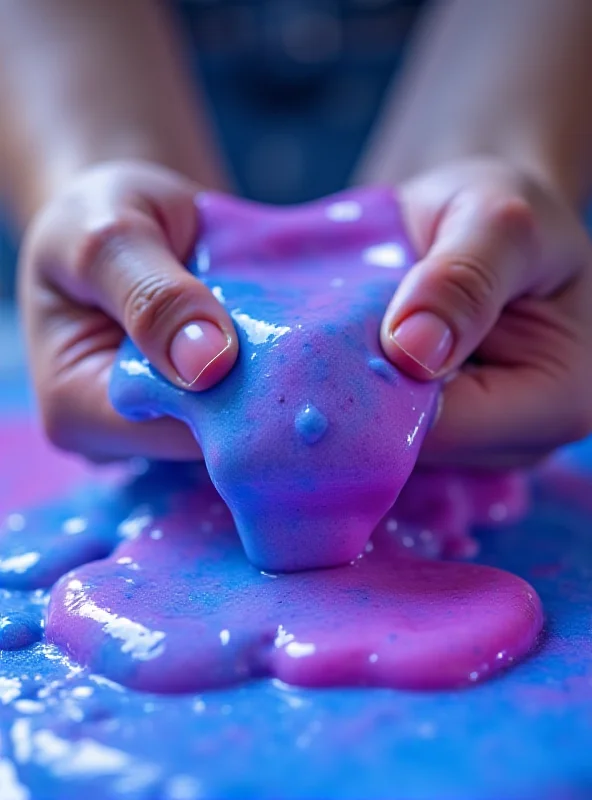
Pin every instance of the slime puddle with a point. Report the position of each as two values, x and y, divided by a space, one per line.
177 607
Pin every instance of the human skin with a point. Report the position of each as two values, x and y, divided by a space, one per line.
105 146
488 136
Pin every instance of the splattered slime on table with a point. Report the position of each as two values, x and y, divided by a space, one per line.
308 444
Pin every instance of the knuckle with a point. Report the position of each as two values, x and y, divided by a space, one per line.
98 240
470 285
512 216
149 304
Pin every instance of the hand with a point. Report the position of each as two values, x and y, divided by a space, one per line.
104 259
500 304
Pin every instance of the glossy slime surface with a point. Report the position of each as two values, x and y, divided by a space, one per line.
67 732
165 599
178 608
313 434
310 440
145 584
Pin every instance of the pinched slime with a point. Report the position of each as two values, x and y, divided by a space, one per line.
309 441
313 434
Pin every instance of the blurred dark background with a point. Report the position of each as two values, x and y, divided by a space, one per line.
294 87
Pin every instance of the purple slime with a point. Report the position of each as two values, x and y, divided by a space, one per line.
310 441
179 608
313 434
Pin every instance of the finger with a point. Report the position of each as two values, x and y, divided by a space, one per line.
127 261
525 395
481 258
77 416
497 417
72 350
173 318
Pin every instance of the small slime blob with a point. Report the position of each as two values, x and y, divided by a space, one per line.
312 436
311 424
21 619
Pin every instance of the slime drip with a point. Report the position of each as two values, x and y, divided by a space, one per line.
312 436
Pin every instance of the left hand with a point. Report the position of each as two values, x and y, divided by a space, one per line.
500 305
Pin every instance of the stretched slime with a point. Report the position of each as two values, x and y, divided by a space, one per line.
312 436
309 441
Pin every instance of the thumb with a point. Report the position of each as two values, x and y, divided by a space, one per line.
171 316
480 258
127 259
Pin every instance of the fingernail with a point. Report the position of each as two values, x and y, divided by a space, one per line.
195 348
425 338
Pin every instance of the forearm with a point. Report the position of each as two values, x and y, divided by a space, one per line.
509 79
85 81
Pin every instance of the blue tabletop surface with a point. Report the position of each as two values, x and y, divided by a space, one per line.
66 734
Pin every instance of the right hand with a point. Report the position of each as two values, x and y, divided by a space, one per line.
104 259
504 278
